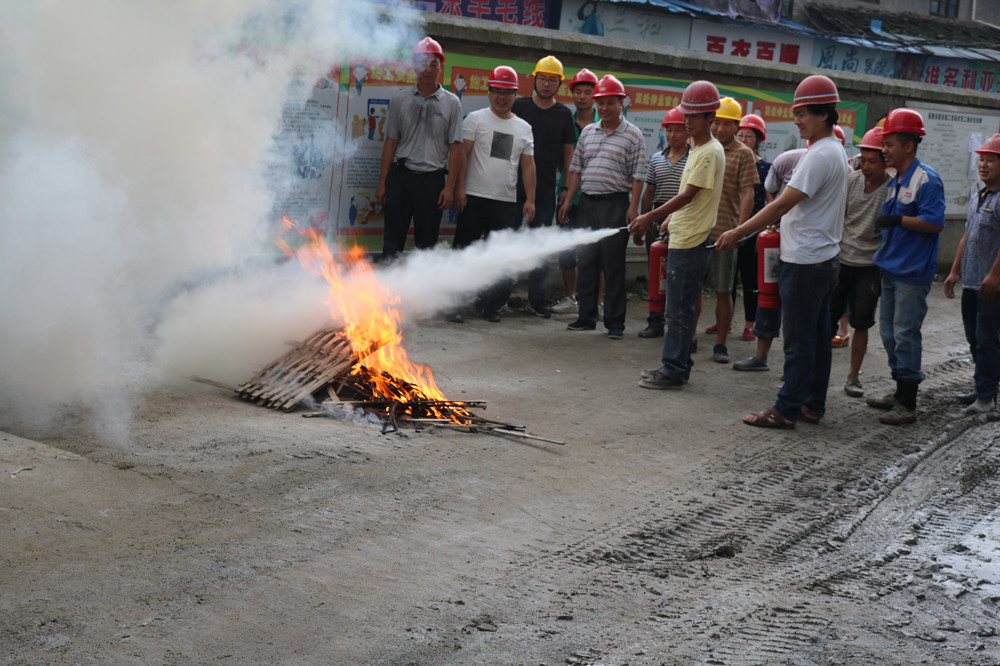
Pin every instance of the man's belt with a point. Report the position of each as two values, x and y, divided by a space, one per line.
612 195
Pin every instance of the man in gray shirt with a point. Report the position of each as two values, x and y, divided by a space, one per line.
860 281
422 155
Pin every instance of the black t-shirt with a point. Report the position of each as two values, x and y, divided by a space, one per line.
552 129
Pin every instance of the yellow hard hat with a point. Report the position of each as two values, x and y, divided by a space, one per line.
729 109
549 65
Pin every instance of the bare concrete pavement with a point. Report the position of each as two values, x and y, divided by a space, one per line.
664 532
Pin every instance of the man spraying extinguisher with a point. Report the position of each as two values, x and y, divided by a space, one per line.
691 216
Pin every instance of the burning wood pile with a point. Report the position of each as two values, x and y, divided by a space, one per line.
362 364
325 370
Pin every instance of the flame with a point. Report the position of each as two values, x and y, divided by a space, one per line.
370 315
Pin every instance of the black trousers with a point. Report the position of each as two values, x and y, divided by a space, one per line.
410 195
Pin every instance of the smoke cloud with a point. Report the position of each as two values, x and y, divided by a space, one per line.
132 137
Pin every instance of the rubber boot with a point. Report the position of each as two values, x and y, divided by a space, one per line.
967 398
982 405
905 409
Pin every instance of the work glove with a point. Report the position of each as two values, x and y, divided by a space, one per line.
888 221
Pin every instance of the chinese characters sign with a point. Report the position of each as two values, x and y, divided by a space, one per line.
523 12
763 45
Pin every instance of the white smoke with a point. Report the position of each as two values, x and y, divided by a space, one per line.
436 280
131 146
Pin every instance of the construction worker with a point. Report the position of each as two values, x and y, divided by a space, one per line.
751 133
496 143
735 207
860 280
663 180
608 165
689 216
811 209
422 157
912 221
581 86
552 126
977 262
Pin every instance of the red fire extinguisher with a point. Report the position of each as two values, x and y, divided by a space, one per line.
768 267
658 274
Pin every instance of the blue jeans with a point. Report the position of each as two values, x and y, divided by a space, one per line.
805 291
900 318
685 273
982 329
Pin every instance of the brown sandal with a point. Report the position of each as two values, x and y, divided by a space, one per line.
769 418
809 417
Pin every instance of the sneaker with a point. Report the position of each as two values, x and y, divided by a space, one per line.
888 401
898 415
720 354
853 388
566 306
748 335
581 325
490 315
616 333
651 332
751 364
982 405
538 309
650 372
714 328
660 381
456 317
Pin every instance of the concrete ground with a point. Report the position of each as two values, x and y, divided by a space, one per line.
664 531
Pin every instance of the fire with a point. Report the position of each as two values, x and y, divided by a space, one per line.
372 321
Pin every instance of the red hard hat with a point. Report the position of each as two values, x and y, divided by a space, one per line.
503 77
992 145
583 76
700 97
428 45
673 117
753 121
609 86
815 89
872 139
839 133
904 120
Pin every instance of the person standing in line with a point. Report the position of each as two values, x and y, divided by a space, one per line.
977 262
811 209
608 165
552 127
582 88
751 133
690 216
663 180
496 143
911 224
767 324
735 206
422 157
859 284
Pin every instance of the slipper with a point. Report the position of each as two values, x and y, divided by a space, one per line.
809 417
768 418
840 340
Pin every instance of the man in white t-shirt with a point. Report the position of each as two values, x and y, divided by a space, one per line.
495 143
811 209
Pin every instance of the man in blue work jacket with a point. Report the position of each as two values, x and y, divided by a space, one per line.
913 218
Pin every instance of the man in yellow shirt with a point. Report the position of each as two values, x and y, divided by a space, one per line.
690 218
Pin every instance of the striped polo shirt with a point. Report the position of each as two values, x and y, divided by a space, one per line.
665 176
609 163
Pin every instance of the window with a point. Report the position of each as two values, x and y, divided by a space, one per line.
947 8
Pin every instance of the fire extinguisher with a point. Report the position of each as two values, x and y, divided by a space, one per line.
768 267
658 274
